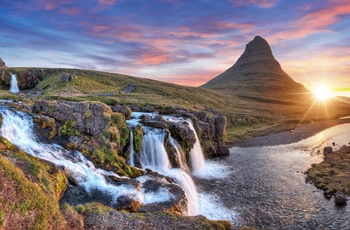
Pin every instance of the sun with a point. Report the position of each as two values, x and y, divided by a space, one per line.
322 93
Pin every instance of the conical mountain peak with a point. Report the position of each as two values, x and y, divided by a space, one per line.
256 71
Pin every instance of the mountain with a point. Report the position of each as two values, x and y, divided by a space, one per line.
256 73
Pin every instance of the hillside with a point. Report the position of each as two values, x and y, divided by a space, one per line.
257 73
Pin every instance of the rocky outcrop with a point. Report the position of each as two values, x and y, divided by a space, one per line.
5 79
87 117
123 109
68 77
327 149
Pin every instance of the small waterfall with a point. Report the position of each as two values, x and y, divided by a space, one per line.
179 154
196 154
17 127
132 150
14 84
153 154
155 157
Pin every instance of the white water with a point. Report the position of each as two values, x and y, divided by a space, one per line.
13 84
17 127
154 156
179 154
196 155
132 150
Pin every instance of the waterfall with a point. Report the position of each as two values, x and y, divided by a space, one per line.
180 155
196 154
17 127
13 84
153 154
132 150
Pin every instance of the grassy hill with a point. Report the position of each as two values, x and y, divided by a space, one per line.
247 115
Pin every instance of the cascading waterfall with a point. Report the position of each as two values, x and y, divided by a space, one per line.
14 84
132 150
17 127
154 156
196 154
179 154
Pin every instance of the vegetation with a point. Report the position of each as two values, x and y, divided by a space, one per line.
68 129
138 136
333 173
30 205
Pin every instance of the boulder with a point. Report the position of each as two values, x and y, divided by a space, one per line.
178 202
186 137
340 198
128 204
123 109
327 149
156 122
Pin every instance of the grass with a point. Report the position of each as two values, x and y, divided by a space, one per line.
240 111
333 173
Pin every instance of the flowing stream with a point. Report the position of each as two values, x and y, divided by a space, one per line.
18 128
14 84
266 185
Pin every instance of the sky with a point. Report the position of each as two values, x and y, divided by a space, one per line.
179 41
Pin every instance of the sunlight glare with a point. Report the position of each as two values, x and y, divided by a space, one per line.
322 93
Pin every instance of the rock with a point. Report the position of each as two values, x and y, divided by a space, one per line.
328 194
2 64
128 204
178 203
185 136
68 77
123 109
340 199
327 149
87 117
156 122
220 126
45 126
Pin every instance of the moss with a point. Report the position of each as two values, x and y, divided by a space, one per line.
138 136
79 208
30 202
2 219
94 207
68 129
118 119
88 113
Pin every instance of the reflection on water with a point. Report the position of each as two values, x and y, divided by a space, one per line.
267 186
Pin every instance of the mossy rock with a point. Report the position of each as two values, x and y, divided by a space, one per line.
138 136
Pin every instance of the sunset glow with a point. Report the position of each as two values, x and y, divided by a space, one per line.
183 42
322 93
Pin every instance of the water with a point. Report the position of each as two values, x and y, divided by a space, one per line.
196 155
180 155
13 84
18 128
132 150
267 189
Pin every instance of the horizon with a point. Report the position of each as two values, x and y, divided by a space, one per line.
197 43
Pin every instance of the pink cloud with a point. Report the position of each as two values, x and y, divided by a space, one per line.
70 11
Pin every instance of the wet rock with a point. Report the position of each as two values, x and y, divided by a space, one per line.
177 204
45 126
128 204
328 194
118 181
183 133
156 122
340 199
327 149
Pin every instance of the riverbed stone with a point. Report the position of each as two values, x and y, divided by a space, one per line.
340 198
327 149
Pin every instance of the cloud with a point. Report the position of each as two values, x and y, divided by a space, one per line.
260 3
107 2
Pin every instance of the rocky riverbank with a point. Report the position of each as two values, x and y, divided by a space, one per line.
332 175
288 133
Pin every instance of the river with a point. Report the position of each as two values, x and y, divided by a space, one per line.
266 185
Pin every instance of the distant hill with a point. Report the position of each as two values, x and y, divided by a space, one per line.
256 73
